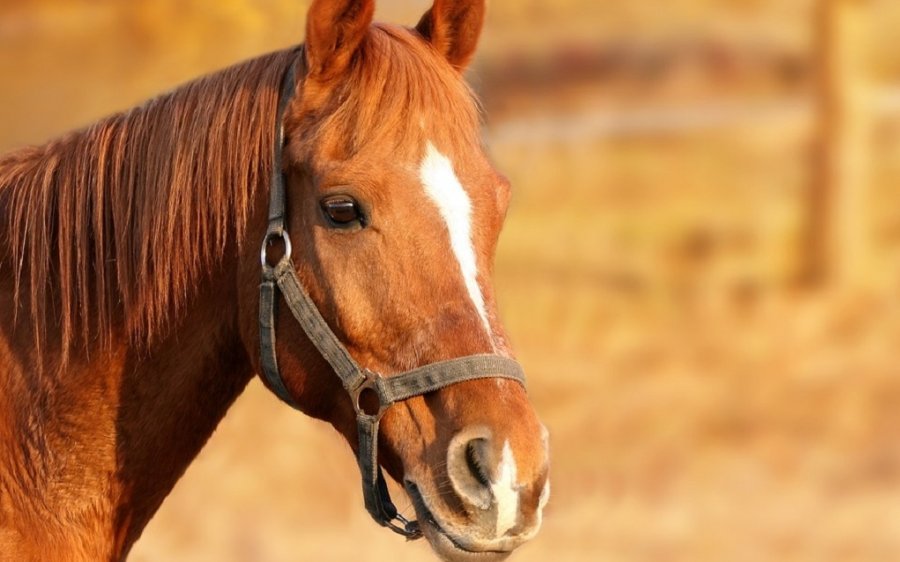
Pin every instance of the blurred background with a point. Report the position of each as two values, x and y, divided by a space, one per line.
699 270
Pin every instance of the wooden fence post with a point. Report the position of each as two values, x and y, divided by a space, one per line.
839 226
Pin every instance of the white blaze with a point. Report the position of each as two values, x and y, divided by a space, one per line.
444 189
505 493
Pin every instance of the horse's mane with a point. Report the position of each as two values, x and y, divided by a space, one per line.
126 214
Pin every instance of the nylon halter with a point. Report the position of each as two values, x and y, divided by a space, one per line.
282 277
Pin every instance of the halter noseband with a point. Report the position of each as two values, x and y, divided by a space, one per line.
355 379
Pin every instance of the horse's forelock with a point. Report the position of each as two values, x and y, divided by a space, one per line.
400 93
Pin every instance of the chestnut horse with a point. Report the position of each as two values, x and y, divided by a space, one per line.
130 287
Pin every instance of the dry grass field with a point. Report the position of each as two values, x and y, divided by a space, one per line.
703 403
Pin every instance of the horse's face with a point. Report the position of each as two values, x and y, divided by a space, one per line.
395 212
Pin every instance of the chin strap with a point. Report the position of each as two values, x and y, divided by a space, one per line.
282 278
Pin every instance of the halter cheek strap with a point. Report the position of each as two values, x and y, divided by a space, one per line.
282 278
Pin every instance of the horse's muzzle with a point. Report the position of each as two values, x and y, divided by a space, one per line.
489 505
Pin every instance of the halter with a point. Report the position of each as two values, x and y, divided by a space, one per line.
355 379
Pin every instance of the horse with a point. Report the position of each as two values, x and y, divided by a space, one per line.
136 303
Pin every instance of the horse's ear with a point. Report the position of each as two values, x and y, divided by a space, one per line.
334 30
453 27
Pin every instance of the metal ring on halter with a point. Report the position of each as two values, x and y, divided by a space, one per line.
409 529
270 236
373 383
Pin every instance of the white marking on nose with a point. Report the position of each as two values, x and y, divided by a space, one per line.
443 187
544 497
505 494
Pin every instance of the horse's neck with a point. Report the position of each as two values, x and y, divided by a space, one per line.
89 454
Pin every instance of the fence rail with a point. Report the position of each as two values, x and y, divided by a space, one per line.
591 125
596 125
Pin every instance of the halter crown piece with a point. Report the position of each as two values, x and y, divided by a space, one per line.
282 277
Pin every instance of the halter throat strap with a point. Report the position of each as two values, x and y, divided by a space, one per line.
357 381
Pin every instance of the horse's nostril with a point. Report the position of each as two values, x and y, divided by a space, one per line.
471 467
477 451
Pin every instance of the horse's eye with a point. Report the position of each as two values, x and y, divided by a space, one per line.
342 210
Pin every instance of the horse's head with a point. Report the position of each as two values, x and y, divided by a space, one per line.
395 212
